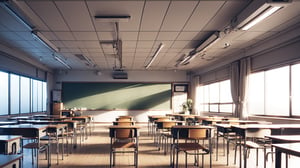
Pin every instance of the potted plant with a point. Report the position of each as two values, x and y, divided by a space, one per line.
187 106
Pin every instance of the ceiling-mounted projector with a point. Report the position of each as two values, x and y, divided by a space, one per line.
119 74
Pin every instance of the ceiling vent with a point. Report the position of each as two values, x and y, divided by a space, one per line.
119 74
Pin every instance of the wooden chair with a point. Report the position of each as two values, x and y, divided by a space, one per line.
126 139
36 146
187 140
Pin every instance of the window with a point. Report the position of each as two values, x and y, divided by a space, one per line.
21 94
4 93
216 97
275 92
295 87
14 94
25 95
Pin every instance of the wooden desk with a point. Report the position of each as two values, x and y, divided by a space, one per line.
7 161
26 130
284 138
249 130
10 144
8 122
288 148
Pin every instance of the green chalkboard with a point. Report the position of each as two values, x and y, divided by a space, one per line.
123 96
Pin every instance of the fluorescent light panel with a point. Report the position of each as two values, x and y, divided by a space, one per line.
112 19
267 12
161 45
62 62
39 36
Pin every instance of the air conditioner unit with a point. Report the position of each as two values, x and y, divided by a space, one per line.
119 74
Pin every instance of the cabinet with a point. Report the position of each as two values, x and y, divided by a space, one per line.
57 108
9 144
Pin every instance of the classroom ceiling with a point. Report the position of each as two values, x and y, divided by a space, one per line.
180 25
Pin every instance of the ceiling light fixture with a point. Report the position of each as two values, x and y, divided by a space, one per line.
161 45
201 48
112 19
267 12
87 60
40 37
62 61
256 12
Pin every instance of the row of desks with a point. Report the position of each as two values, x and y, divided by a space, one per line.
245 128
278 133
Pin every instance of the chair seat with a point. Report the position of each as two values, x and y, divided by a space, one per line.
123 145
251 144
191 146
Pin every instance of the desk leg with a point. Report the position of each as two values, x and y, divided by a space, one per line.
240 146
277 158
217 146
245 153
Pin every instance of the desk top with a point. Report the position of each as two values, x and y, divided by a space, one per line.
192 126
8 159
124 127
285 138
8 138
8 122
271 126
289 148
26 126
256 126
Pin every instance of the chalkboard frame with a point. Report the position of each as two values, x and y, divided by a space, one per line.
165 92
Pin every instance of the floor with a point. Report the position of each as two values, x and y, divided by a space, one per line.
94 153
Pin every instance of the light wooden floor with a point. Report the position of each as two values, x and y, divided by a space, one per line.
94 152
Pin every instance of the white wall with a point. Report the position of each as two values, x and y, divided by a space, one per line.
133 76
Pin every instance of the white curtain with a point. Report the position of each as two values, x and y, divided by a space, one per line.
194 85
240 71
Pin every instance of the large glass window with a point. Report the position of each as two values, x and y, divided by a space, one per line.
256 95
44 96
216 97
25 95
4 93
34 95
295 87
14 94
277 91
21 94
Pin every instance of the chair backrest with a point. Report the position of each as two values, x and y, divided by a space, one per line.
125 123
199 133
124 119
123 133
163 119
168 125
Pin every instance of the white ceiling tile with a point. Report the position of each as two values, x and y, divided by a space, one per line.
147 35
153 15
128 35
85 35
175 20
76 14
202 15
66 35
49 14
167 35
145 44
106 36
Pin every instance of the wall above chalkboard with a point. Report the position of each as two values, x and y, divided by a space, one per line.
112 96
